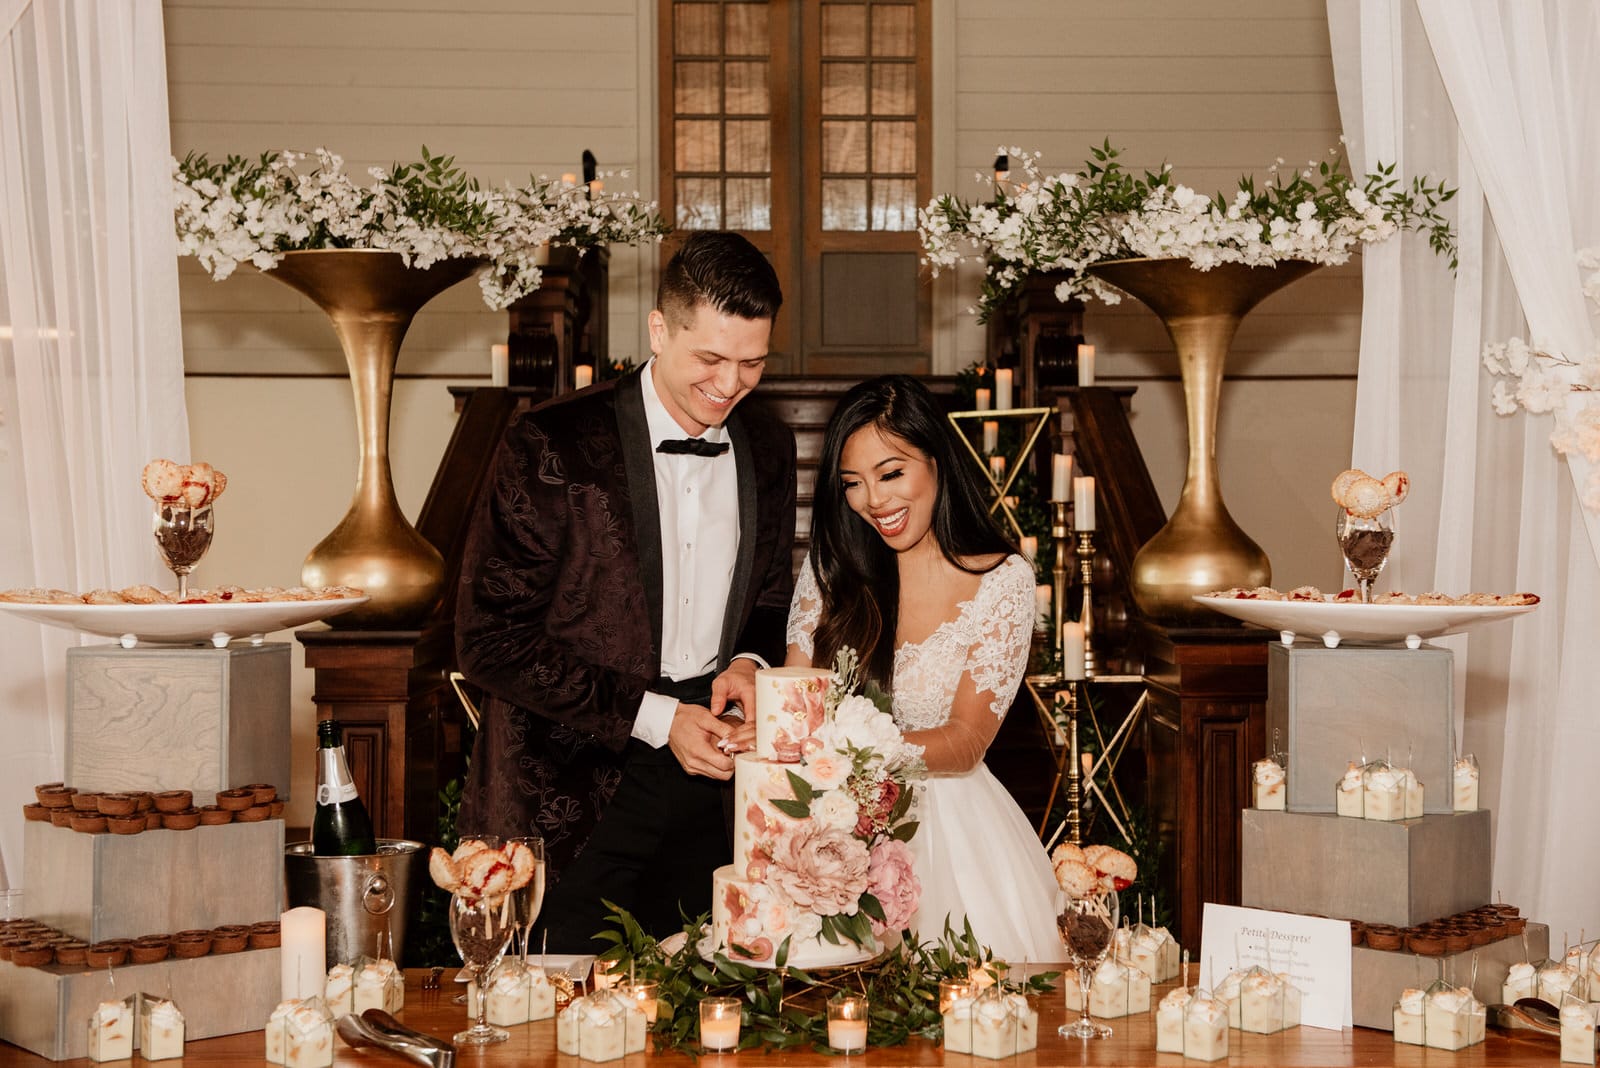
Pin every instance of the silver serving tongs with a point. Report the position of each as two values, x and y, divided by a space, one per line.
1528 1014
378 1030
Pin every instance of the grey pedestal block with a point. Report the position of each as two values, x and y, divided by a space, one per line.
1377 977
46 1010
185 718
1332 706
1400 873
158 882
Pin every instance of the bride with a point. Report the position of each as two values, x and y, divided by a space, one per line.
908 569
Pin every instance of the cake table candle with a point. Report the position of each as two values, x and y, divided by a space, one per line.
847 1023
303 942
719 1023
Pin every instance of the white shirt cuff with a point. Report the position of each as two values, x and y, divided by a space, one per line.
654 721
760 660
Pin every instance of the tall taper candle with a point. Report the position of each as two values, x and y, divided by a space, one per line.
991 435
1061 477
582 376
1083 503
303 938
985 398
1085 365
1002 388
499 365
1072 648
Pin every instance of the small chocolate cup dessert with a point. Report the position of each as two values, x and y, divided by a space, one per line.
277 807
33 954
265 935
188 945
236 800
8 945
89 823
36 813
133 824
71 953
86 802
1425 943
54 795
154 953
254 814
117 804
154 821
1456 940
174 800
62 817
213 816
1515 925
144 800
103 955
1383 936
229 939
184 820
263 792
1358 932
1496 928
48 788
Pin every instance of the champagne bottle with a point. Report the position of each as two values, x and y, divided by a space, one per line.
341 827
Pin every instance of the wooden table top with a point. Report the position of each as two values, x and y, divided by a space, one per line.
1131 1046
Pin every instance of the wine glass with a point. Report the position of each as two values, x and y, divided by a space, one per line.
481 928
1087 926
183 535
527 900
1365 544
468 973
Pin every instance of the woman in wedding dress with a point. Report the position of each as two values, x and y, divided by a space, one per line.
908 569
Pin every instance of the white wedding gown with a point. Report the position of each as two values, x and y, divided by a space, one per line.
976 855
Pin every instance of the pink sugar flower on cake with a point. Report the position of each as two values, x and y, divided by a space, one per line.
821 870
892 879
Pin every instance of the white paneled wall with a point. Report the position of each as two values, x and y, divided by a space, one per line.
1217 88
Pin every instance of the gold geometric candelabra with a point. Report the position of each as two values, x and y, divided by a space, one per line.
1035 420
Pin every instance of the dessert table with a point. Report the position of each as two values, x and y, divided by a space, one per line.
1132 1046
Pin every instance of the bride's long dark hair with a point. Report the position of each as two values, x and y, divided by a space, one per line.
856 570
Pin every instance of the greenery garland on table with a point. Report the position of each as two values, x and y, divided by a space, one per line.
784 1008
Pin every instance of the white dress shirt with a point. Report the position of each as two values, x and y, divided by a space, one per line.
699 509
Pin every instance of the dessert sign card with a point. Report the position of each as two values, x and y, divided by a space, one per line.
1313 952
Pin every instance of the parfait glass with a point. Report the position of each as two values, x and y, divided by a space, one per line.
1365 544
183 535
527 900
481 928
1087 926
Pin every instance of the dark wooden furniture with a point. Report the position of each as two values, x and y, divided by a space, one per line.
562 323
1132 1045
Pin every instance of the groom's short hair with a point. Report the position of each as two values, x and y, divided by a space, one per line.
722 270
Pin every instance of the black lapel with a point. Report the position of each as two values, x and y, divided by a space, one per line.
639 462
733 617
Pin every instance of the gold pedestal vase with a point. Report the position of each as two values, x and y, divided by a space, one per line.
1201 548
371 297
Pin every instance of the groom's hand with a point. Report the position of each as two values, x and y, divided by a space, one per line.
736 686
693 739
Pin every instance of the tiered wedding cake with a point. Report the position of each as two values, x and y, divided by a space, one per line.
819 814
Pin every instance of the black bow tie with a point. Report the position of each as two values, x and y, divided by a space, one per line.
692 447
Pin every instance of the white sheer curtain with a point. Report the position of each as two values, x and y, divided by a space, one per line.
91 358
1498 97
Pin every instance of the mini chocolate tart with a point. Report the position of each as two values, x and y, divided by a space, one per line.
265 935
232 943
36 813
55 796
71 953
263 792
153 820
1482 936
1428 945
236 800
1358 932
193 933
253 814
153 954
7 945
190 948
62 817
1456 941
48 788
1383 936
213 816
133 824
277 807
144 801
186 820
173 800
33 954
89 823
1515 925
1506 912
86 802
101 955
117 804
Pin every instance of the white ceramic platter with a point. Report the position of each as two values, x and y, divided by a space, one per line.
1334 621
183 624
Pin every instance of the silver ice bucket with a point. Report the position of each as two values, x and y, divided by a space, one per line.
367 898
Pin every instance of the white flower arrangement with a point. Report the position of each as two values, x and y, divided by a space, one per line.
1068 222
253 211
1534 378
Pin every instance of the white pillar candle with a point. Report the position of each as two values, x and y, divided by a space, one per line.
984 396
991 435
500 365
582 376
997 467
847 1023
1072 650
1042 598
1061 477
569 179
1030 547
303 938
1085 365
1002 388
1083 502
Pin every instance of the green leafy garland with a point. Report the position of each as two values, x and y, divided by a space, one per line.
784 1007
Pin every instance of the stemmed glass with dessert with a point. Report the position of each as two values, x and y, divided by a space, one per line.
1087 916
184 520
1365 524
483 878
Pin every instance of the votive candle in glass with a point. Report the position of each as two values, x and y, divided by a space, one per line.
847 1023
719 1024
645 995
949 990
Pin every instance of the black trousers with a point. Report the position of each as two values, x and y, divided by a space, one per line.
653 852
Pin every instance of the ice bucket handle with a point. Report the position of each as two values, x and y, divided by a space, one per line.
377 897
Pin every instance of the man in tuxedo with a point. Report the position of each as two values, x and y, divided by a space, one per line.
634 542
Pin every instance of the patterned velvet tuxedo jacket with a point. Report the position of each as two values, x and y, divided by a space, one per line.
559 614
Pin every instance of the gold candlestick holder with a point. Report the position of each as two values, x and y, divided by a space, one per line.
1056 699
1086 576
1061 534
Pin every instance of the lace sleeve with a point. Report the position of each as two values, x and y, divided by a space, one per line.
999 655
805 609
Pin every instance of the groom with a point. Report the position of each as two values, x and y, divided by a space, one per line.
634 539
